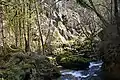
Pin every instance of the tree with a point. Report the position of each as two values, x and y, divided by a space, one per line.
1 29
110 42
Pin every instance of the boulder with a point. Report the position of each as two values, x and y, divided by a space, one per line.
73 62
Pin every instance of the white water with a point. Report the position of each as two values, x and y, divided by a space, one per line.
93 71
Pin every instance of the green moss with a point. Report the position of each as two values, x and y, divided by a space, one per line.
73 61
72 58
17 67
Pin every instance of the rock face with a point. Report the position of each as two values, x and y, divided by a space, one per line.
23 67
73 62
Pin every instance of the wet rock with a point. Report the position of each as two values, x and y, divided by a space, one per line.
112 72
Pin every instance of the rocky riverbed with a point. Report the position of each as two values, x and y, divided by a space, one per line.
92 73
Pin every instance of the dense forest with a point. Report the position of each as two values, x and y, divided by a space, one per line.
59 39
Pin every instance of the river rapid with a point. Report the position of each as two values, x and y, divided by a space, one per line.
93 73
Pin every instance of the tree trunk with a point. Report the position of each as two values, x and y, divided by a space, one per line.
39 27
1 29
24 30
116 13
28 28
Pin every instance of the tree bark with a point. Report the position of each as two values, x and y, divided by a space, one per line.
39 28
117 18
1 29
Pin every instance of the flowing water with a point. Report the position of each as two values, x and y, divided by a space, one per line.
91 74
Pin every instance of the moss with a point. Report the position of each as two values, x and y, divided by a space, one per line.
37 66
73 61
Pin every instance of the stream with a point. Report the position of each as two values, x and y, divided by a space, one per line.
93 73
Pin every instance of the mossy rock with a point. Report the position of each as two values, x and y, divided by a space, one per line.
73 62
46 69
60 56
